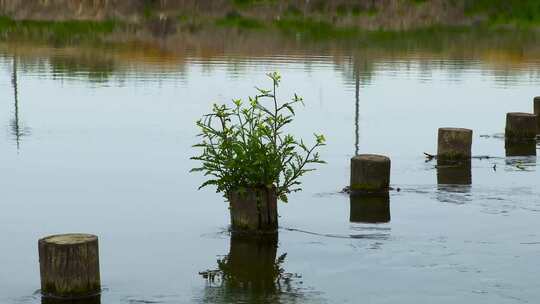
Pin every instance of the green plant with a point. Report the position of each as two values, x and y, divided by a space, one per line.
245 146
235 19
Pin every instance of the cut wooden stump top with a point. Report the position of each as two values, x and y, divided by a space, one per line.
69 239
371 157
521 114
455 129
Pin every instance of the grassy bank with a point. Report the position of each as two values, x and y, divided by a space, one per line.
54 31
521 13
324 22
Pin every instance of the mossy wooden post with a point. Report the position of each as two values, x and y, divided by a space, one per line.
520 127
254 210
370 173
537 113
69 266
373 208
454 143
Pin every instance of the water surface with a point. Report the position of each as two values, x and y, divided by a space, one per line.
98 140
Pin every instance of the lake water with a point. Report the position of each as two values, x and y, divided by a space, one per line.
98 140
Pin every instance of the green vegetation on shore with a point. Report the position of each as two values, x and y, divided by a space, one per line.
320 25
57 31
522 13
234 19
314 29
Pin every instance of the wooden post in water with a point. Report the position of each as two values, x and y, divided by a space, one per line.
520 126
370 173
454 143
537 113
69 266
254 210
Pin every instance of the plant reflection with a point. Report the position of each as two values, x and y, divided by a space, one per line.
252 272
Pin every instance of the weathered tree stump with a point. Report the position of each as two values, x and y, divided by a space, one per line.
454 172
520 126
69 266
454 143
370 173
254 210
520 148
537 113
370 208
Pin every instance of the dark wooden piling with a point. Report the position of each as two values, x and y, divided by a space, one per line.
537 113
370 208
69 266
520 126
370 173
452 172
454 143
254 210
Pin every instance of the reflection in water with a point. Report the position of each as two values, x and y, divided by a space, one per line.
370 208
356 106
521 163
90 300
15 125
454 179
505 56
362 73
252 272
454 172
522 148
95 68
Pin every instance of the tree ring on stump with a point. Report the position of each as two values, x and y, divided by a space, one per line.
69 239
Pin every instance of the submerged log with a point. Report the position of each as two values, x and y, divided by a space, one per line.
254 209
520 126
454 143
69 266
370 173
